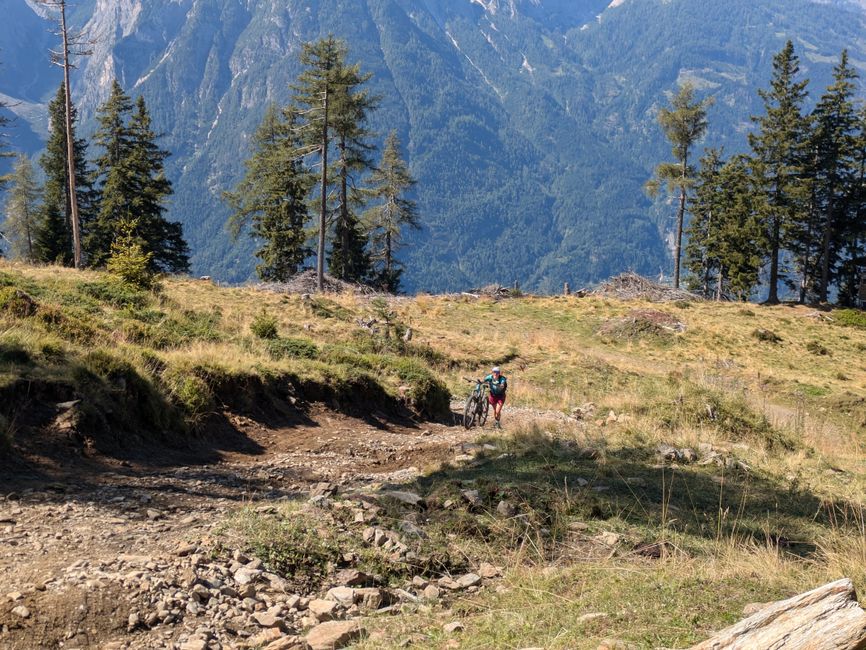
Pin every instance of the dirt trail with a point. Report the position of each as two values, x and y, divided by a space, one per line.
82 549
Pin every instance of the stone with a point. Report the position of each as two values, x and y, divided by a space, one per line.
269 619
431 592
616 644
288 643
593 616
263 638
408 498
15 595
195 643
420 582
453 628
343 595
334 635
323 609
506 509
353 578
473 497
469 580
489 571
245 576
610 539
21 611
133 622
184 550
369 597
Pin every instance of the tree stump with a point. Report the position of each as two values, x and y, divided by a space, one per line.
825 618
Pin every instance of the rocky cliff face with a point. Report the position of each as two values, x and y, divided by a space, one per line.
530 123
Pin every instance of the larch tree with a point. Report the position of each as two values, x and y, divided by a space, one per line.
314 93
22 210
270 200
684 123
779 147
393 212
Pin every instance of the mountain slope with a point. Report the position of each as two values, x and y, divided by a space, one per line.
529 123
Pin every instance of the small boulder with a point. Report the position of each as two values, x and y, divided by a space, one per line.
322 609
21 611
342 595
489 571
453 628
506 509
334 635
469 580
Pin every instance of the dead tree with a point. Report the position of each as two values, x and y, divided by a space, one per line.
72 44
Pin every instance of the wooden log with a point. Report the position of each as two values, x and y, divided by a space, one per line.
825 618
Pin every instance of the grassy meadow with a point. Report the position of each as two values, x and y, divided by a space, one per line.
772 398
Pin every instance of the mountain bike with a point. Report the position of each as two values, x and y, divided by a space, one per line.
477 404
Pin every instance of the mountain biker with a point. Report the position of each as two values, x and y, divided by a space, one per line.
498 385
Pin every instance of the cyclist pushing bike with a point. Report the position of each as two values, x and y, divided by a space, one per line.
498 385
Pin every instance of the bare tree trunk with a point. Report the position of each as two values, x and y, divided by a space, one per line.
70 143
320 262
344 207
826 618
679 243
773 297
826 238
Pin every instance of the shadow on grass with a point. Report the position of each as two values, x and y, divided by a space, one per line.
554 484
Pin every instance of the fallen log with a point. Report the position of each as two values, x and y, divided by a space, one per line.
825 618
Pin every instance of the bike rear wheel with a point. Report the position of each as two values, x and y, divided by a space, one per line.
470 412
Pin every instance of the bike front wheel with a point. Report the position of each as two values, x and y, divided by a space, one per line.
470 412
483 412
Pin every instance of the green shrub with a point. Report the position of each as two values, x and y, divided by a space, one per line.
767 336
115 294
428 394
66 324
52 351
189 391
6 280
292 348
129 262
816 348
850 317
728 413
17 303
264 326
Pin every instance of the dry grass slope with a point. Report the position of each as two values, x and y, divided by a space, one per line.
776 508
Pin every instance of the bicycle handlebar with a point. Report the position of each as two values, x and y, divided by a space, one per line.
472 381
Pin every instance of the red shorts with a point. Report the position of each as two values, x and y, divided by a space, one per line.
496 399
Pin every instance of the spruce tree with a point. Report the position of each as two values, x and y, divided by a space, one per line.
385 221
835 125
315 92
114 173
270 198
22 210
705 207
4 145
854 226
684 123
349 259
726 237
163 239
778 146
132 186
54 234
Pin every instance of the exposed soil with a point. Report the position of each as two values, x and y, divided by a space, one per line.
74 528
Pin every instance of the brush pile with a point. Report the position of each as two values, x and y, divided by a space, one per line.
631 286
305 282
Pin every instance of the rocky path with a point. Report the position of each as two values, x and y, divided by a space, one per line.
119 555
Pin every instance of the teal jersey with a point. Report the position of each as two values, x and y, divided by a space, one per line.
497 386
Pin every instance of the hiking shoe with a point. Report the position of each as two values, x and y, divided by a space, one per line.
497 425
